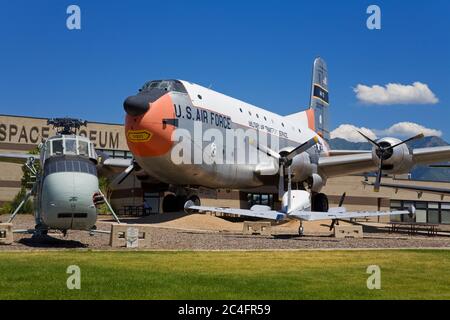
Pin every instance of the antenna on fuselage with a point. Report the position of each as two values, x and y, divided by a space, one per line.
66 125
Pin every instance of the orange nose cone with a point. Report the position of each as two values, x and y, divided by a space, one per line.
147 135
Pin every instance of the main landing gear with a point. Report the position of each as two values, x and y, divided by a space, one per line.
301 230
319 203
173 203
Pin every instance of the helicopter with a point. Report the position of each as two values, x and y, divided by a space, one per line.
65 187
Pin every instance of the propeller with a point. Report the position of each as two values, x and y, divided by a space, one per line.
440 166
286 159
384 152
124 174
341 202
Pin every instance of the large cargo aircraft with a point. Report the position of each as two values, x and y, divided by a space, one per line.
169 120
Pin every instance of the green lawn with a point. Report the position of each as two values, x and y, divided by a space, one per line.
226 275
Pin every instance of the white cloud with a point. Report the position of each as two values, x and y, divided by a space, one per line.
350 133
398 130
408 129
395 93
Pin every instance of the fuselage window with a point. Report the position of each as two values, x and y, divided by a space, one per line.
249 113
282 124
54 165
240 109
257 115
265 119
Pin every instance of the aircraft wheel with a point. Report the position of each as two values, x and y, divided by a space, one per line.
319 202
195 199
301 231
181 200
170 203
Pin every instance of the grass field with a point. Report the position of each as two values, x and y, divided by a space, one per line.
226 275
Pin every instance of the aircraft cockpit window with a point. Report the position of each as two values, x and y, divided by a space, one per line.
83 148
164 85
57 146
70 146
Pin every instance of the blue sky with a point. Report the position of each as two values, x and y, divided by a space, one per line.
257 51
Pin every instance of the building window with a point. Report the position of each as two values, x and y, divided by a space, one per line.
426 212
260 199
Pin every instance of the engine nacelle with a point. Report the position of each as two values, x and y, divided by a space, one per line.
397 160
301 167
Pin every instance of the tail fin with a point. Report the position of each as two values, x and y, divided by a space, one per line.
319 98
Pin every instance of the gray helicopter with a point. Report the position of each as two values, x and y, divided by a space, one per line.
66 187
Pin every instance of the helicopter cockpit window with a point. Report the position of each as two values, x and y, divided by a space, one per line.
70 146
83 148
57 146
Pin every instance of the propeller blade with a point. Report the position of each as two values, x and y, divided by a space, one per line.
377 184
341 201
302 148
419 136
440 166
370 140
333 222
124 174
281 183
265 149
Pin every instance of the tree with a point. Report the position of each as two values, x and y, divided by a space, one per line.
27 181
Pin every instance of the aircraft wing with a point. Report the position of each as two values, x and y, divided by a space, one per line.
340 165
112 166
339 215
334 166
261 212
420 189
347 152
17 157
116 163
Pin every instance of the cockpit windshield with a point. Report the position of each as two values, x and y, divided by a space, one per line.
163 85
70 146
58 147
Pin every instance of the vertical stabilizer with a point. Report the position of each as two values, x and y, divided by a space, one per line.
319 98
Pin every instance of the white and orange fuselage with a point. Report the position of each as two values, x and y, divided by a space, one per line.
163 107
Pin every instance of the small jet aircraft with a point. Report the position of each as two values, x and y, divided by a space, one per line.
66 189
162 108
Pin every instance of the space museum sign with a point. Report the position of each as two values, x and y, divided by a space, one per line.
16 130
